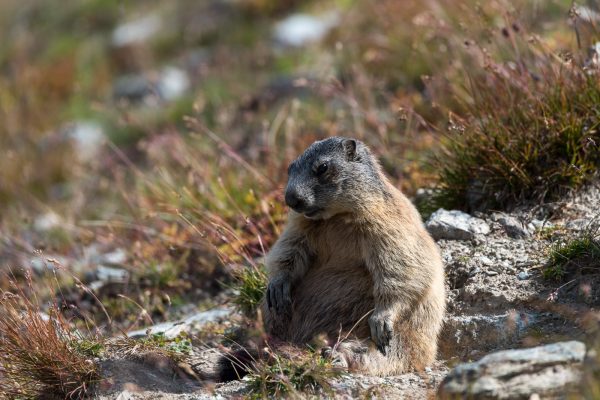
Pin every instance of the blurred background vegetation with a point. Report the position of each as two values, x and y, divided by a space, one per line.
144 144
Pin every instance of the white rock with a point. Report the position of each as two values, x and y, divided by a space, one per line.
300 29
88 137
455 225
115 257
46 222
173 83
136 31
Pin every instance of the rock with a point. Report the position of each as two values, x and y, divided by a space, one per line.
47 221
115 257
540 224
513 226
88 138
455 225
133 88
301 29
463 334
581 224
110 274
136 31
169 84
484 260
548 370
173 329
523 275
173 83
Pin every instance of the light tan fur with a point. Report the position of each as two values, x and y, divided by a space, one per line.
357 271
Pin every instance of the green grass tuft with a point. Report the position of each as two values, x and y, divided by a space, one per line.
251 284
581 254
282 376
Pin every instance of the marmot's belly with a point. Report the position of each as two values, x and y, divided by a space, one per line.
329 299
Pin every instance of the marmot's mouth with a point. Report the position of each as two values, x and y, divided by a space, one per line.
312 213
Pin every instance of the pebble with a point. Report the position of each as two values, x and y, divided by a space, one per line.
523 275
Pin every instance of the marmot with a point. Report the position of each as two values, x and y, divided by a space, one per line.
354 262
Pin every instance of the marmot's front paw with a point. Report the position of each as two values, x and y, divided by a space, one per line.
337 358
278 295
381 324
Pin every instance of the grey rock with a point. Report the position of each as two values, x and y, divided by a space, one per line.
169 84
548 370
485 260
582 224
463 334
173 329
512 226
540 224
133 88
523 276
111 274
455 225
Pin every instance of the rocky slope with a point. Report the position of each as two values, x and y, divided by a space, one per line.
497 299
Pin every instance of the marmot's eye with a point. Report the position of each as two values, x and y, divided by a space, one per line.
321 169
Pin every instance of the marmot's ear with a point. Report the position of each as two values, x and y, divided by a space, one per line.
349 148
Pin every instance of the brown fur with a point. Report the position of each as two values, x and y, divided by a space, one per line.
373 263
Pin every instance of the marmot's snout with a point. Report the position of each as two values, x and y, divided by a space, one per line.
301 200
294 200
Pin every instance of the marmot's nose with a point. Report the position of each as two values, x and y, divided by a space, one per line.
292 200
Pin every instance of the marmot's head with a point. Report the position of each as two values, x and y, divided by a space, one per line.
332 176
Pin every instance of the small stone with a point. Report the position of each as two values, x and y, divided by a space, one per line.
485 260
523 275
491 273
539 224
133 88
173 83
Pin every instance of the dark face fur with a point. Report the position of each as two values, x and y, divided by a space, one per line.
325 179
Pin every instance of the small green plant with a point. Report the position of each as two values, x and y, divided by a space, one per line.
181 344
581 254
89 347
251 284
285 375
